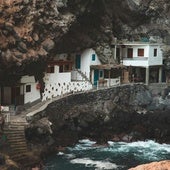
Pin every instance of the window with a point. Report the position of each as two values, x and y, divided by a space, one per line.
141 52
28 88
101 73
66 67
50 69
130 53
93 57
78 61
155 52
61 69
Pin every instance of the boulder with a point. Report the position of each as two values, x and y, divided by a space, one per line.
162 165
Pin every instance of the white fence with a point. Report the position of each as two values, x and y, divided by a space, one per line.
105 83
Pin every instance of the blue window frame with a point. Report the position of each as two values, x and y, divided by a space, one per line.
93 57
78 61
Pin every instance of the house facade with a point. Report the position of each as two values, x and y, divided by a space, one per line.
23 92
88 66
143 61
59 78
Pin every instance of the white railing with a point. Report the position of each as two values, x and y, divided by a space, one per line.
7 117
6 113
113 82
158 85
108 82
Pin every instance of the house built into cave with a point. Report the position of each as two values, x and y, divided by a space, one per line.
78 72
143 60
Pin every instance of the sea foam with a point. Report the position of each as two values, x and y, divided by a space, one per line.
98 165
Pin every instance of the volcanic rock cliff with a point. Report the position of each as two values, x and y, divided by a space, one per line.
32 31
121 113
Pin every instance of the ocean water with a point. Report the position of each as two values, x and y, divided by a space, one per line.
114 156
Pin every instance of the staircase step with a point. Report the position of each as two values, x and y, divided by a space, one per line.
24 149
13 147
16 137
14 128
18 146
15 132
20 122
16 140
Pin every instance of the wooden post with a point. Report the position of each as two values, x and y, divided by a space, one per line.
97 84
109 78
147 76
160 74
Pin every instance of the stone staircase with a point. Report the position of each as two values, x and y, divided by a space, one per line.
15 133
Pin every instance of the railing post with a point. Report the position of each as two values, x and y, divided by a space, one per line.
97 84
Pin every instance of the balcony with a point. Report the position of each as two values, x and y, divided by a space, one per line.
136 61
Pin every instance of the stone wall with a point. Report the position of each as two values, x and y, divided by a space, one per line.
117 113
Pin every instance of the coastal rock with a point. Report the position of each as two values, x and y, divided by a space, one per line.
162 165
100 116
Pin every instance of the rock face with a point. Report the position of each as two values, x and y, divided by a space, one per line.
164 165
35 30
118 114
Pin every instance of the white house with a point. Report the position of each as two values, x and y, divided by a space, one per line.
58 78
143 59
23 92
88 66
30 89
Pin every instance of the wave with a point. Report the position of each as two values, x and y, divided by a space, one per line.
98 165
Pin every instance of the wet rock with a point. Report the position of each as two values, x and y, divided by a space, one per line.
164 165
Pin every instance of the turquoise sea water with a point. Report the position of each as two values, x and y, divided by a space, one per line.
115 156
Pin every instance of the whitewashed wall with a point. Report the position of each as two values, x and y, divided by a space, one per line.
86 61
158 60
113 82
75 75
138 62
34 94
59 84
147 60
135 51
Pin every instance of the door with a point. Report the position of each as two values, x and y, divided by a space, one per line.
78 61
130 53
6 98
96 77
16 98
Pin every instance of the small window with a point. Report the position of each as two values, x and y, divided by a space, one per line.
140 52
50 69
155 52
101 73
28 88
66 67
130 53
61 69
93 57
